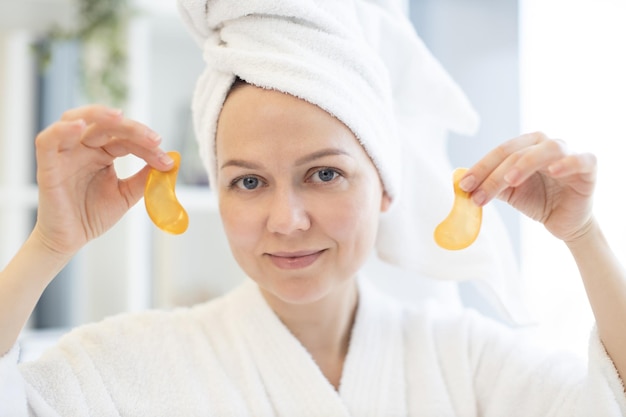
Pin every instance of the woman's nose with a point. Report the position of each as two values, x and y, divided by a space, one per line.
287 213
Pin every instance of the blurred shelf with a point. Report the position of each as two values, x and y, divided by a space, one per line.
36 15
18 197
157 7
41 15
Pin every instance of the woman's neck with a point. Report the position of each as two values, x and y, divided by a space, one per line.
323 327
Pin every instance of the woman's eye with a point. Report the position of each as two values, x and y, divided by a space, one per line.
325 175
248 183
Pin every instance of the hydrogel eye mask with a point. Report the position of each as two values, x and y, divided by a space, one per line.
460 229
160 198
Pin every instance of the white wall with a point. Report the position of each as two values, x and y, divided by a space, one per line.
573 74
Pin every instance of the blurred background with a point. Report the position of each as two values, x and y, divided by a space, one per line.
551 65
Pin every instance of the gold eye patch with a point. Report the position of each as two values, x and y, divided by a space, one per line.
460 229
160 197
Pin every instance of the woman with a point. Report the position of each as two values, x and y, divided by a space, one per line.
301 190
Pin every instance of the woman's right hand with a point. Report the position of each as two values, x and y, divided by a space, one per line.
80 194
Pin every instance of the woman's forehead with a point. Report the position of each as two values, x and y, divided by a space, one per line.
255 117
249 105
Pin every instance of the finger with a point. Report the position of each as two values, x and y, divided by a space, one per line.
518 168
58 137
534 159
576 164
579 171
119 136
106 123
93 113
132 188
478 173
100 134
155 157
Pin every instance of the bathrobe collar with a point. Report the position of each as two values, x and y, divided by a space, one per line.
372 382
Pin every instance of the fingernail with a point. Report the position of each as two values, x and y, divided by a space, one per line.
166 159
114 112
512 176
153 136
80 123
479 197
555 168
467 183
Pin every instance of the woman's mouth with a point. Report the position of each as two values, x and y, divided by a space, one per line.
294 260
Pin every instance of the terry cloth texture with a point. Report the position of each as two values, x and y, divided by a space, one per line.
234 357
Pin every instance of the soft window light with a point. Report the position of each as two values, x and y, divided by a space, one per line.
573 86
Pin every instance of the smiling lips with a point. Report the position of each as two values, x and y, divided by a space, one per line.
294 260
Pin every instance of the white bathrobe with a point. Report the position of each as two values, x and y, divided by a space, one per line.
233 357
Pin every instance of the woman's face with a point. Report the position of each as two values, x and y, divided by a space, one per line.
299 197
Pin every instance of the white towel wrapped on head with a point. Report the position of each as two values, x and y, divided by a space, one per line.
298 48
362 62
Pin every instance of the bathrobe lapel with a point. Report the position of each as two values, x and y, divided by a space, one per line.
294 384
372 383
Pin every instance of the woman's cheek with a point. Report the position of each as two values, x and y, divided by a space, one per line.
342 217
239 220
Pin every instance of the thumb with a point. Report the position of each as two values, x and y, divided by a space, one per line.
132 188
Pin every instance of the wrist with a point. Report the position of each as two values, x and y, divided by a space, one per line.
48 260
45 246
589 234
22 282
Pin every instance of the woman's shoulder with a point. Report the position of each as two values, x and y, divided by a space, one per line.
136 352
430 320
442 316
145 330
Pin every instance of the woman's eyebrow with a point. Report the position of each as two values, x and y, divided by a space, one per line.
300 161
241 164
320 154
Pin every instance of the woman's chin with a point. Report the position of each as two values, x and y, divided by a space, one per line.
297 291
303 291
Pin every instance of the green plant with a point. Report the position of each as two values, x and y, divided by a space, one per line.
101 32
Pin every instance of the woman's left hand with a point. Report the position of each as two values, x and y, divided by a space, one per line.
541 178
